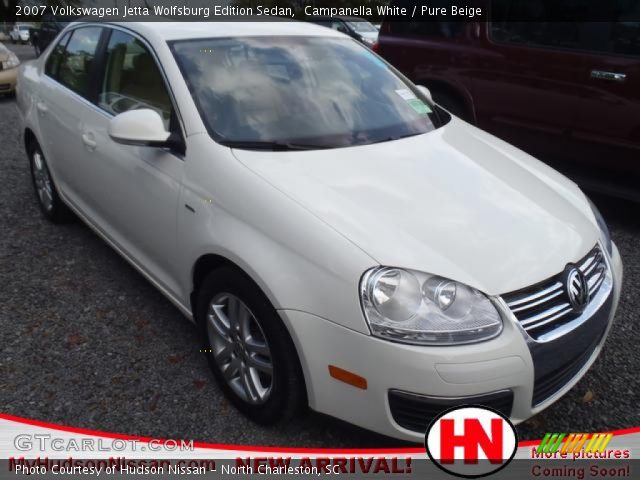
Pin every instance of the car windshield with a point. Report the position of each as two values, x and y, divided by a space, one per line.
318 92
363 27
24 28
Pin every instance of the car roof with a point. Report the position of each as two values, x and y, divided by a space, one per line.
190 30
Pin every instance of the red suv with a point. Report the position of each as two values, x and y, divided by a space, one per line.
562 91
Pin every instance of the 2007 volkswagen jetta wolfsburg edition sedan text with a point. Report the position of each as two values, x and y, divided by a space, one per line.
340 240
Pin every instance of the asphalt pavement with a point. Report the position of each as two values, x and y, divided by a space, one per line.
86 341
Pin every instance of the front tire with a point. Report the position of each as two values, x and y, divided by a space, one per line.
47 196
248 348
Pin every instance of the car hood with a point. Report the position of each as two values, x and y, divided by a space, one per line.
455 202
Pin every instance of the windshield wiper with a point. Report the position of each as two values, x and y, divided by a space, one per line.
273 146
393 139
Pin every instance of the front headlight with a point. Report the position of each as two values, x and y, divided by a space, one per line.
605 234
11 62
418 308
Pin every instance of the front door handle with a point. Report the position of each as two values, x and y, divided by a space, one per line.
611 76
42 108
87 139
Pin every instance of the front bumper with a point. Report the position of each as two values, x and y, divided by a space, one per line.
439 375
8 80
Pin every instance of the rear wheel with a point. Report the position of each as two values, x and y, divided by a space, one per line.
49 201
248 347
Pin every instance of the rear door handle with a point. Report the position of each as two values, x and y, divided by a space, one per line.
611 76
42 108
87 139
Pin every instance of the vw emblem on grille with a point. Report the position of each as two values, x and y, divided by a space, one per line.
577 289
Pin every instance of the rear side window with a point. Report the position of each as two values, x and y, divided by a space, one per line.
56 56
78 59
132 79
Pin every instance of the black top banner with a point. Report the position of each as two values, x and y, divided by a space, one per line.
33 11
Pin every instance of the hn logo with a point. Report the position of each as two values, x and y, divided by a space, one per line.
471 441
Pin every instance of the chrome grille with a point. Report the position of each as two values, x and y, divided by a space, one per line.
545 306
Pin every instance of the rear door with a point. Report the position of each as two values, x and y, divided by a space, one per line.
608 126
134 190
64 100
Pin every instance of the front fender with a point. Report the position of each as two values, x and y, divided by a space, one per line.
299 262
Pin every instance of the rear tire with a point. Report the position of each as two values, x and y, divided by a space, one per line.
248 348
46 192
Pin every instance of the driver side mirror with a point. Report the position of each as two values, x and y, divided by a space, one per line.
425 91
143 128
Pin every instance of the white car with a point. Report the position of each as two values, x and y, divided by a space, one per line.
340 241
20 33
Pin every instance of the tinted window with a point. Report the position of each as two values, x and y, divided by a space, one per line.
425 27
78 58
428 29
625 38
56 56
528 23
132 79
313 90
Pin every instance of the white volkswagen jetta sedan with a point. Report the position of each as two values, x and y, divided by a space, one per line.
340 240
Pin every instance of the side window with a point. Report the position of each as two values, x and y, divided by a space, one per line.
425 27
527 23
78 58
429 29
132 79
625 38
55 58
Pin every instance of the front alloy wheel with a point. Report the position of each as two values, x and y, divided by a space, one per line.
248 347
240 348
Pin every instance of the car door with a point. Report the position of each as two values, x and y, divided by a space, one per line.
63 101
134 190
608 126
525 79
